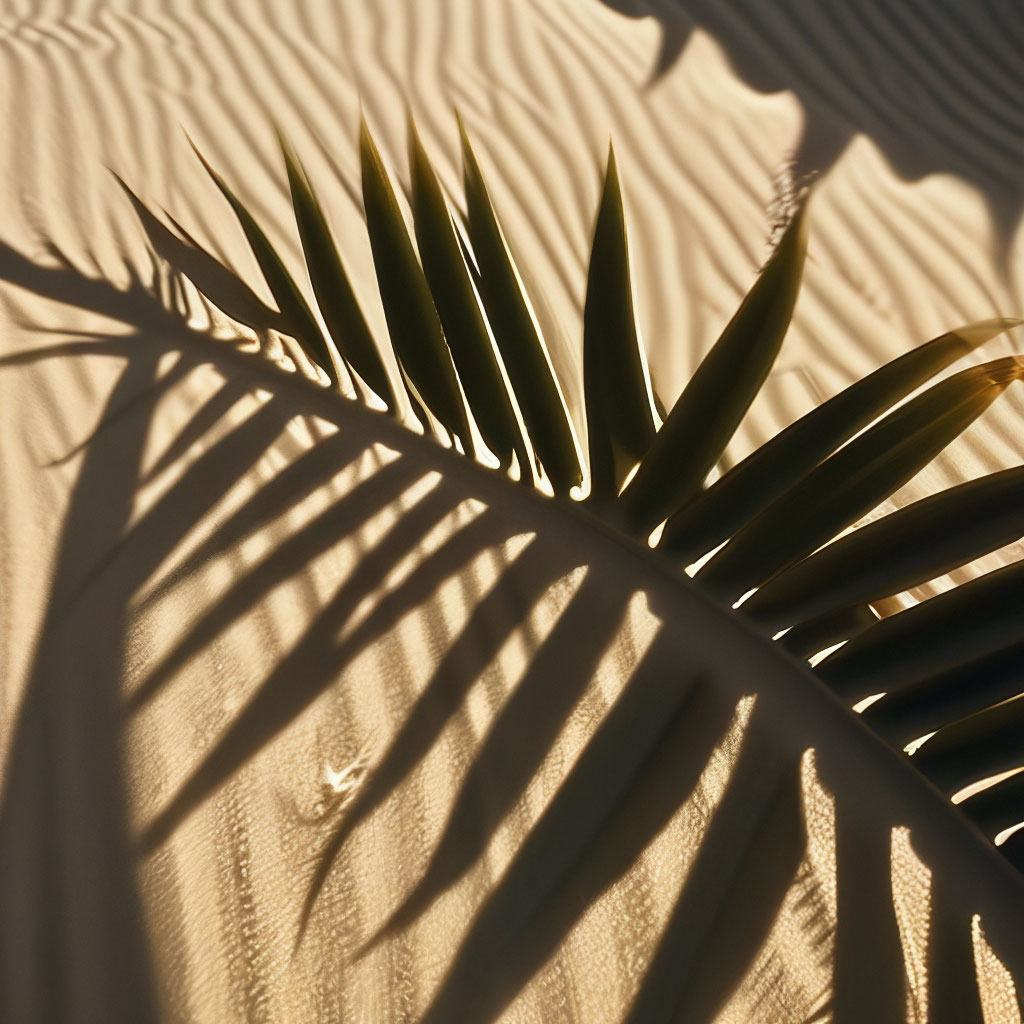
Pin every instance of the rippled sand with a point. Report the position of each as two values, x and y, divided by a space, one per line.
342 580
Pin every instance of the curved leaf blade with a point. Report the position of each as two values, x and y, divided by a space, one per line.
455 299
713 403
934 700
223 287
299 319
331 284
904 549
732 500
517 336
413 323
855 479
978 747
619 403
971 621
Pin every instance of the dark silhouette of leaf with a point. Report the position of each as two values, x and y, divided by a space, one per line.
74 919
617 389
971 621
738 495
978 747
814 635
745 864
156 533
223 287
516 744
855 479
908 547
285 490
331 285
412 319
299 319
953 996
517 334
318 535
464 326
706 414
300 676
521 585
214 409
935 700
869 982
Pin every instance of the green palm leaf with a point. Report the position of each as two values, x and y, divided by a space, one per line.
978 747
412 319
934 700
810 636
902 550
855 479
223 287
301 324
737 496
706 414
517 334
969 622
331 285
998 807
464 326
620 417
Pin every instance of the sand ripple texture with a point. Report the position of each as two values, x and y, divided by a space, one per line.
230 622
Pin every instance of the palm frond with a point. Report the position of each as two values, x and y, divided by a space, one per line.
225 289
855 479
746 489
904 549
472 356
465 328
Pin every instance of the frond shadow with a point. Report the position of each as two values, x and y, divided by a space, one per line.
519 739
642 761
72 919
315 661
511 599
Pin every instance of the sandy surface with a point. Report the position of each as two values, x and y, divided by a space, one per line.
914 116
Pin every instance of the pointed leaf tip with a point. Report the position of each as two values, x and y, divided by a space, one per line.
617 389
517 333
332 288
711 406
456 302
220 285
300 322
977 333
409 309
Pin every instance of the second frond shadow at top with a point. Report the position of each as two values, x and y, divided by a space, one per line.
936 87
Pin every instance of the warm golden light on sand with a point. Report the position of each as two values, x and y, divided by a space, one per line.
304 718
